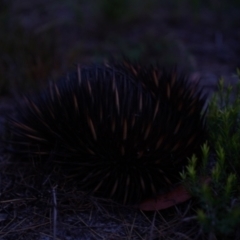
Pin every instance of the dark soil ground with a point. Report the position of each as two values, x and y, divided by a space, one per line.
202 39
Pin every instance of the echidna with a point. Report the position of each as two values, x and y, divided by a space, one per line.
125 130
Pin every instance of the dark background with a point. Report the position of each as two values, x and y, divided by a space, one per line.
42 39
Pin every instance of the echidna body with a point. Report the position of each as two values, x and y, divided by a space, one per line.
124 130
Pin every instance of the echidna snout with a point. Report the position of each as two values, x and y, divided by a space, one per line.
125 131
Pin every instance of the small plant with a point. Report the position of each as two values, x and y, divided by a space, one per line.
216 183
115 9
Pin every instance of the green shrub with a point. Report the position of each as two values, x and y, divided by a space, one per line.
216 184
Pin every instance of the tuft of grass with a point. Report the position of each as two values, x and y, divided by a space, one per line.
216 185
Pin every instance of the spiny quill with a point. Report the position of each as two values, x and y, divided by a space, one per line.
124 131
